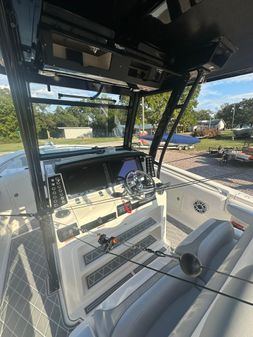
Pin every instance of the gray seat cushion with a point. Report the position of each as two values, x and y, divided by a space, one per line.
137 314
157 292
228 317
195 313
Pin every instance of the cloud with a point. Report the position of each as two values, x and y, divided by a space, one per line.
207 91
231 80
239 97
215 104
42 92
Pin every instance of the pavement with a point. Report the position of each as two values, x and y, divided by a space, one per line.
235 174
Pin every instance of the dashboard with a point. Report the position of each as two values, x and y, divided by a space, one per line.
88 176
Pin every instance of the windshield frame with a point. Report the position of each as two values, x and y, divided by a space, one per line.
93 103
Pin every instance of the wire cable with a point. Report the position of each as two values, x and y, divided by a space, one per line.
170 275
162 254
147 250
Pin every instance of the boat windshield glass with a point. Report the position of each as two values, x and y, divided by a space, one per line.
72 127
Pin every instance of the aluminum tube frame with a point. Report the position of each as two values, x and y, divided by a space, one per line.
168 112
131 117
180 115
15 70
76 103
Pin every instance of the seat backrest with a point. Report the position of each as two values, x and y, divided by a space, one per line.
136 314
228 317
187 326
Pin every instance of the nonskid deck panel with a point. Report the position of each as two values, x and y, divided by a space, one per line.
27 309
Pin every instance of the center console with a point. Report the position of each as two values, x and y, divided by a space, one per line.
88 198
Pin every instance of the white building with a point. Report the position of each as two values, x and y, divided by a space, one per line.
217 124
71 132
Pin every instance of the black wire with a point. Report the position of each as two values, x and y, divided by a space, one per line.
147 250
169 275
132 245
190 183
226 274
161 254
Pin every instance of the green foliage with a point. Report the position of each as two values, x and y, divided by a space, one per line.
203 114
243 112
100 119
8 120
154 107
189 118
156 104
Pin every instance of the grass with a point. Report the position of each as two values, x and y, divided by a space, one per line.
224 140
10 147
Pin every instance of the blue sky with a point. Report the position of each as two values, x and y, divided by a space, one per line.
212 95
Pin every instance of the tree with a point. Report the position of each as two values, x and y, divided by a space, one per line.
154 107
202 114
80 113
189 117
43 120
8 119
242 111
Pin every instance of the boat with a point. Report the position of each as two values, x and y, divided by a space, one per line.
177 141
107 240
243 130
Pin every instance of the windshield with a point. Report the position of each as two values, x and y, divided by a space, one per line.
82 124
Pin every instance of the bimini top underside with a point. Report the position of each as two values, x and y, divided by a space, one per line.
141 45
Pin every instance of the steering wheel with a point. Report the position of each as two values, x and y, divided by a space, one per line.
138 184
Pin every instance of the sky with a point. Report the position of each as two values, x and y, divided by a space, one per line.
212 95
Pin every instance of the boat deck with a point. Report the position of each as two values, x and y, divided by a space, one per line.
28 310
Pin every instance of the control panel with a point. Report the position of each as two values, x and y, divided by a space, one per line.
57 191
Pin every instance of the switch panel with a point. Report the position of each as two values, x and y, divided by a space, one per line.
57 191
150 166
